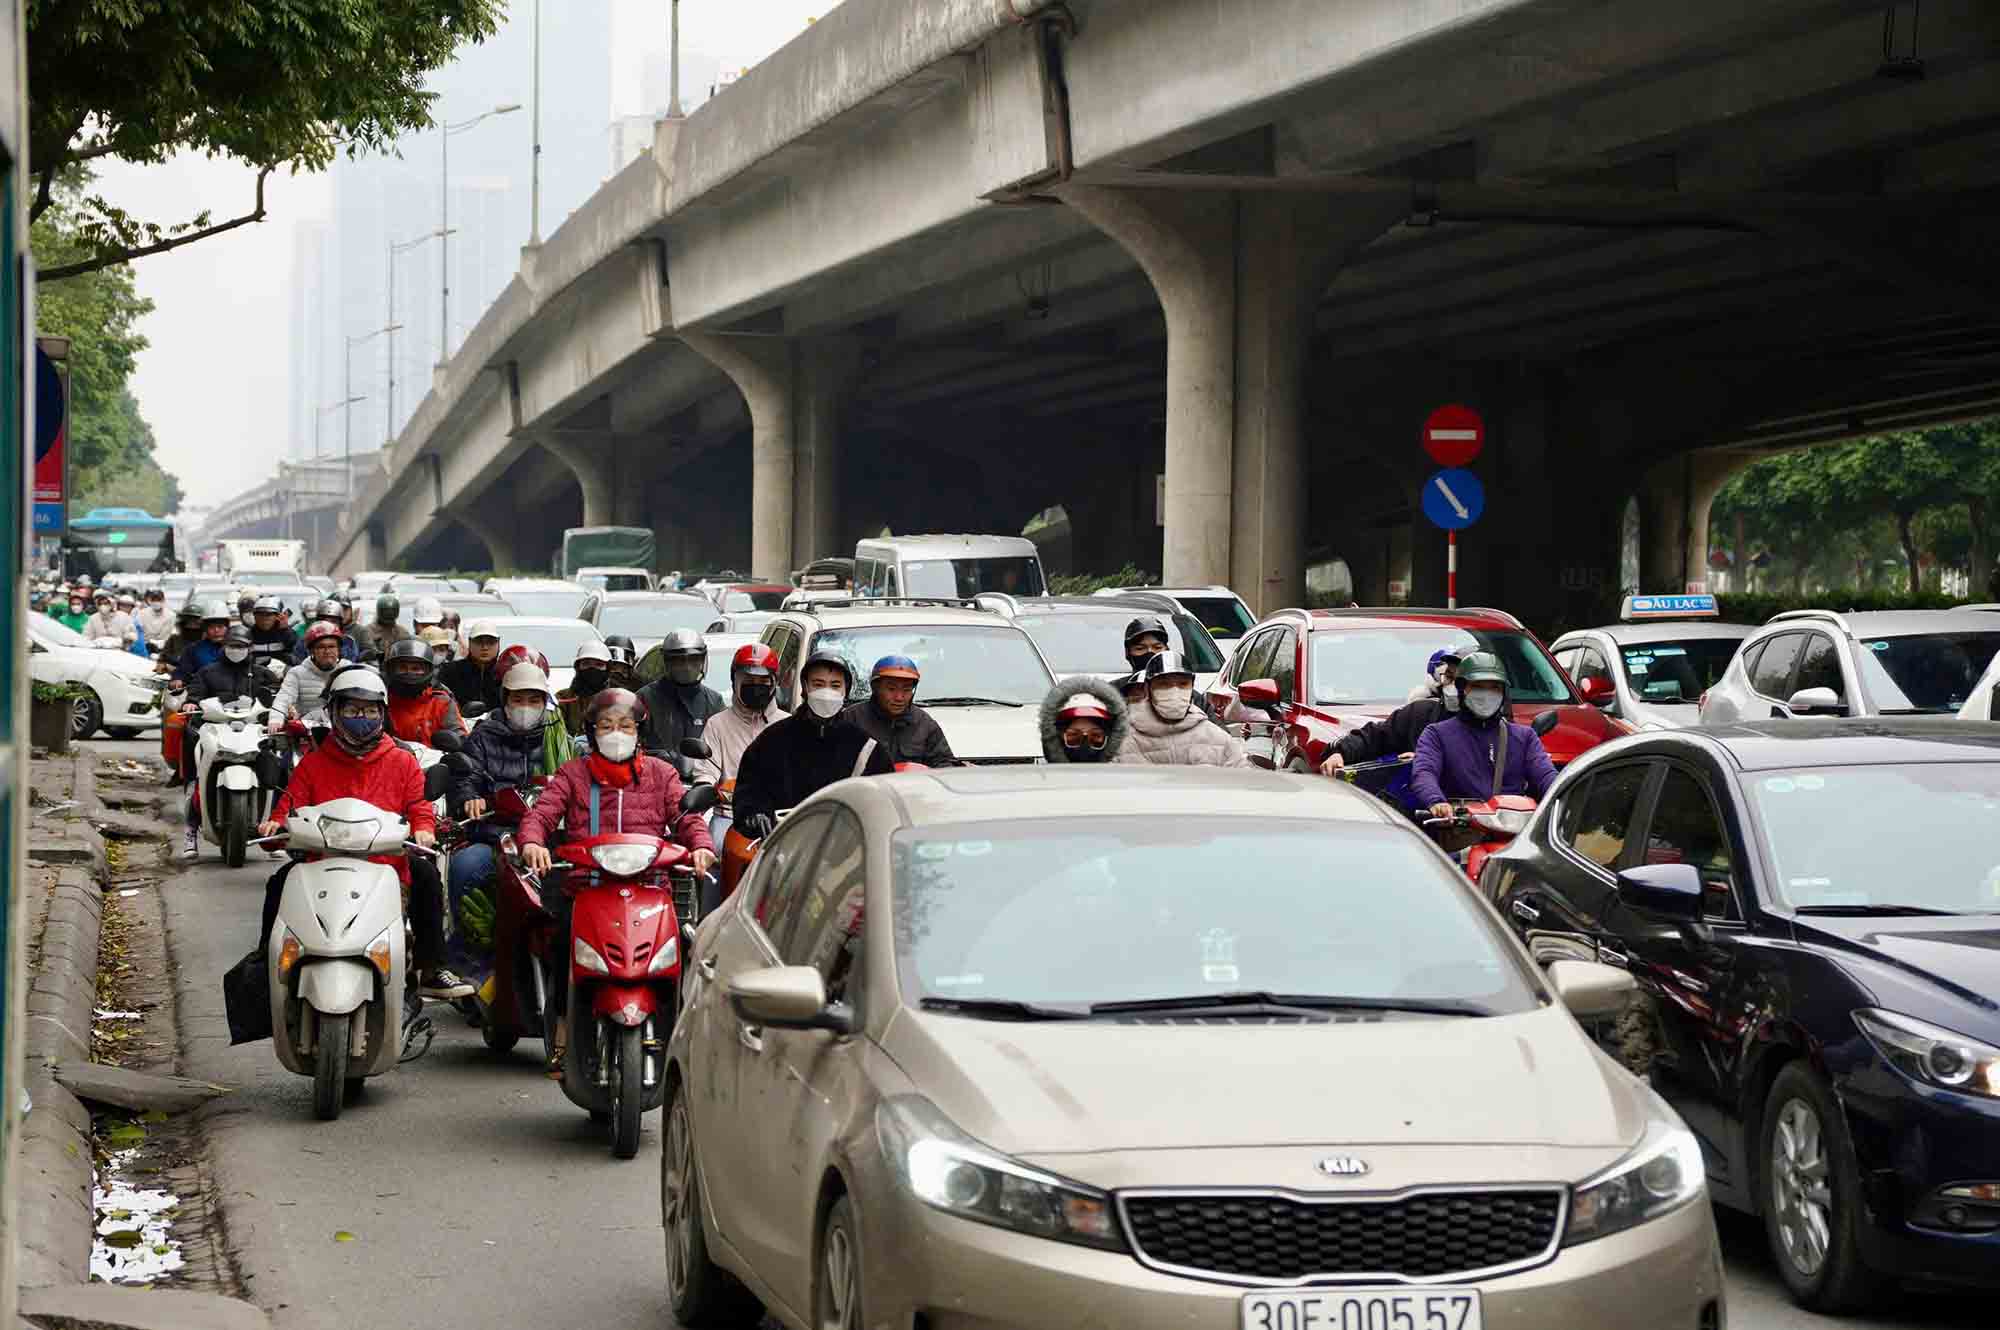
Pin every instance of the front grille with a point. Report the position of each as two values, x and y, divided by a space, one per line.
1267 1237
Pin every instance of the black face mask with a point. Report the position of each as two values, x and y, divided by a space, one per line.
1084 752
589 683
756 696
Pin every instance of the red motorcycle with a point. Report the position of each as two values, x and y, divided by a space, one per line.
1479 827
512 997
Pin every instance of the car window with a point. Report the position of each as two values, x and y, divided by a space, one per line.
1223 616
1924 672
1602 816
1366 664
1255 657
1285 664
1686 830
827 931
1667 673
1590 664
1567 657
1819 666
1773 668
783 869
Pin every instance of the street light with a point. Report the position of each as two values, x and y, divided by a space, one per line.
445 131
389 417
322 414
674 65
535 158
347 422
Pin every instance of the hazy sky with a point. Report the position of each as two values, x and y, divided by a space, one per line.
215 382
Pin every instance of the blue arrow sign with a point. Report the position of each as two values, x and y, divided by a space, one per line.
1454 499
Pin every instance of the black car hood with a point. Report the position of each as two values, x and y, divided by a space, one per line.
1962 953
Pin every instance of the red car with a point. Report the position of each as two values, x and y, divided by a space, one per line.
1336 670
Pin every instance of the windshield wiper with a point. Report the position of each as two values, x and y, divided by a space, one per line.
970 702
1859 911
1005 1009
1297 1001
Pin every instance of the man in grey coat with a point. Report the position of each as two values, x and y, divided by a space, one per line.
1167 730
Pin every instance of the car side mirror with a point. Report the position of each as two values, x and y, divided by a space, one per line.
1591 991
1545 722
1597 691
1669 889
699 798
697 749
788 997
1992 704
1258 693
447 741
1816 701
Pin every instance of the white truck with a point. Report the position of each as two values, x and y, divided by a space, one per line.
248 561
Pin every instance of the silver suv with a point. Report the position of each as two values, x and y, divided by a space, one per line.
1870 663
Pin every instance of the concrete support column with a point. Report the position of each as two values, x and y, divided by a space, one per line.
596 473
765 371
826 370
1674 503
1238 277
491 519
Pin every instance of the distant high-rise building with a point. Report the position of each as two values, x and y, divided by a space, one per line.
312 274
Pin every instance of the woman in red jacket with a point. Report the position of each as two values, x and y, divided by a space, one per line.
636 794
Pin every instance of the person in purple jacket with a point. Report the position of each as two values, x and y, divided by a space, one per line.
1455 756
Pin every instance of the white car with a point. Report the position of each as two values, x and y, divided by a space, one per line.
1652 668
1217 608
120 692
1865 663
554 636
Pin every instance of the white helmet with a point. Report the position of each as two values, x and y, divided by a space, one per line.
592 650
429 610
524 676
359 682
266 605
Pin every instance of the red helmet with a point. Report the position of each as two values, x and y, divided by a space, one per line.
1084 706
615 697
320 632
517 655
755 658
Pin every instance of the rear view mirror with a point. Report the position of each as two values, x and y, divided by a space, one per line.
472 710
1816 702
1258 693
696 749
1597 691
788 997
1670 889
1592 992
1545 722
437 781
1993 704
457 763
447 741
700 798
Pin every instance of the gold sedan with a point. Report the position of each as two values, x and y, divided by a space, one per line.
1050 1047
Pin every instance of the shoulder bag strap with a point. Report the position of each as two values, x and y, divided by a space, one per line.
861 762
1500 756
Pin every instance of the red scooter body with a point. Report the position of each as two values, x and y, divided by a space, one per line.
511 1002
1480 827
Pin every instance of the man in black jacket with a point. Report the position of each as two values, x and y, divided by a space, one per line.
799 756
678 704
891 717
232 677
474 678
270 639
1399 730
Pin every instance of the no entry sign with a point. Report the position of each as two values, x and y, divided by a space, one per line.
1453 435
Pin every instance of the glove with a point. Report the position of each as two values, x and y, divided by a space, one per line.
758 825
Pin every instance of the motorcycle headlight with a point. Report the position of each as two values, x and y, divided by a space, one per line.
349 837
665 957
1932 1054
1506 821
587 958
1661 1175
950 1171
624 860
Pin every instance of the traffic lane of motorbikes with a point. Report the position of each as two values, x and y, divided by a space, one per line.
475 1193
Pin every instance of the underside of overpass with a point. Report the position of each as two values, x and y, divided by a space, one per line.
1648 246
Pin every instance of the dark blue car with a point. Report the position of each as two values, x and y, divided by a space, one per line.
1812 911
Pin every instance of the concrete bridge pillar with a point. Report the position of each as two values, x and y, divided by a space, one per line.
1237 276
765 371
492 521
1674 503
825 380
596 469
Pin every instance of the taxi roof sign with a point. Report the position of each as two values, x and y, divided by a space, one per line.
1637 609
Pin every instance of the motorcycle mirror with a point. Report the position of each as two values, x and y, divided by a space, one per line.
447 741
1545 722
700 798
697 749
473 710
437 781
458 763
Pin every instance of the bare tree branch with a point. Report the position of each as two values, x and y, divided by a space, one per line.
45 192
113 259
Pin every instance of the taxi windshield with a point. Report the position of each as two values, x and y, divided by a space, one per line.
1667 672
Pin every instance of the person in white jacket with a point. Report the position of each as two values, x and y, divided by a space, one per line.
753 676
305 683
109 621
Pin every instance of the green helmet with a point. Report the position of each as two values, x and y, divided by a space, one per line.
1481 667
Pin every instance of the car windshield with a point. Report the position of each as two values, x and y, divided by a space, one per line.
1225 617
654 618
421 586
1663 673
54 633
996 663
1924 672
266 579
1847 836
965 578
554 602
748 602
1333 910
557 641
1381 665
1093 641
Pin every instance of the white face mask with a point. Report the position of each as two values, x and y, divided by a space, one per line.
826 702
236 655
1450 699
523 719
617 745
1483 702
1173 703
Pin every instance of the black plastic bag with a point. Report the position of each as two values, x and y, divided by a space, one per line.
246 996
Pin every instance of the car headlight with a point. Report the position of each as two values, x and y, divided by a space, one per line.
624 860
664 958
1662 1174
950 1171
586 958
1931 1054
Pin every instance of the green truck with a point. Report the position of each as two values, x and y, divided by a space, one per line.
605 547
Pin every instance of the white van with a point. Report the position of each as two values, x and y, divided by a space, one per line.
948 567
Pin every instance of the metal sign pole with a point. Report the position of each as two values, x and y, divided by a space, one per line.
1451 570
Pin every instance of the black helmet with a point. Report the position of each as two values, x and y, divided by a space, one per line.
614 697
1145 624
408 648
682 643
619 642
237 636
828 656
189 613
1166 663
387 607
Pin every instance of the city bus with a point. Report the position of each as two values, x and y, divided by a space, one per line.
108 541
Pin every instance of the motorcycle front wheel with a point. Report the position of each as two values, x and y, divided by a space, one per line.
330 1067
628 1097
233 819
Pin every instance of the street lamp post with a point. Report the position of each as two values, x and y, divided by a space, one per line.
535 160
674 65
389 416
347 421
445 131
322 414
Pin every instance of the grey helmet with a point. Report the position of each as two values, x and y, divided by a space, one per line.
1164 664
688 650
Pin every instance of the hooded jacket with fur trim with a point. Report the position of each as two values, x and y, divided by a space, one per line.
1065 689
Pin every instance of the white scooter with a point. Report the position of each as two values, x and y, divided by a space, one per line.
338 956
227 752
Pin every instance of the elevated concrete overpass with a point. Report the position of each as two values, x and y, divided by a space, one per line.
947 264
304 501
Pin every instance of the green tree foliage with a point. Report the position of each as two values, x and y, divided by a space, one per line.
275 84
110 443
